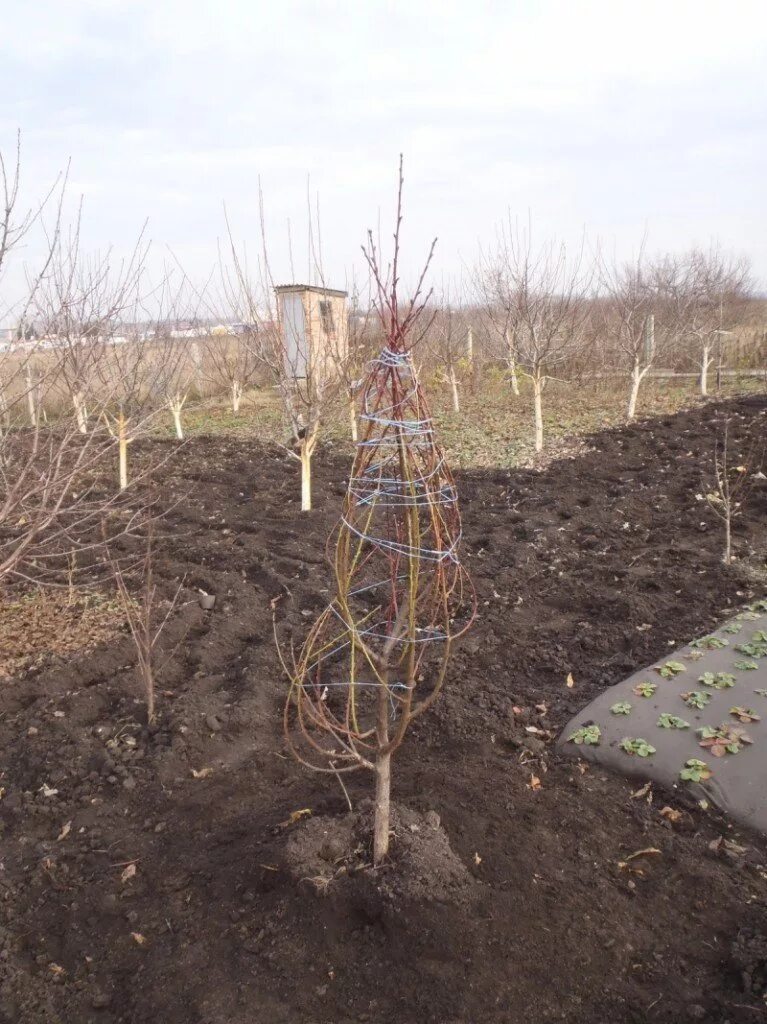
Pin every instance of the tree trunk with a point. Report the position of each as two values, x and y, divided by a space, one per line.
383 781
704 365
470 348
636 380
353 417
306 475
538 403
514 381
727 538
511 357
32 400
454 390
175 408
122 445
81 413
236 396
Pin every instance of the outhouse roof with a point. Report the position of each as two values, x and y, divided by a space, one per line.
310 288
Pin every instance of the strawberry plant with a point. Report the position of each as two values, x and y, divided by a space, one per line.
645 689
727 739
746 666
744 714
637 746
719 680
587 734
753 648
621 707
671 669
710 643
696 699
695 771
732 627
668 721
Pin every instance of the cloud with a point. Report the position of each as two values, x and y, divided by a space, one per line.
608 115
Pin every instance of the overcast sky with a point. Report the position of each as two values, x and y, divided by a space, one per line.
612 116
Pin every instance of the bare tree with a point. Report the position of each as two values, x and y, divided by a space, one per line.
306 376
233 361
447 341
496 297
545 290
142 613
627 318
711 290
46 466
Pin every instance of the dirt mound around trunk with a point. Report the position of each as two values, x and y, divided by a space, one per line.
324 851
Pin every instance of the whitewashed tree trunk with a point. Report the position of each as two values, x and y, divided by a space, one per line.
383 781
353 417
236 396
454 391
32 400
307 448
538 404
470 347
705 363
81 412
122 447
512 361
637 376
175 408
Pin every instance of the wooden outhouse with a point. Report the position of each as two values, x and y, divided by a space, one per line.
315 327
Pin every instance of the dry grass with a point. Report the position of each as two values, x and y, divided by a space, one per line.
494 427
47 623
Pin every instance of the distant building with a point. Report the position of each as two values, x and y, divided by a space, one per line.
315 326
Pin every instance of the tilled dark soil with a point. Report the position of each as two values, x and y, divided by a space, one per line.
143 875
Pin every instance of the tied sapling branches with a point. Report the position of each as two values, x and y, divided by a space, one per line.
377 657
